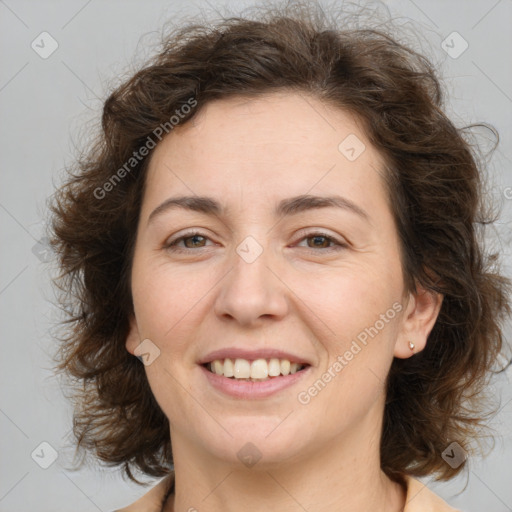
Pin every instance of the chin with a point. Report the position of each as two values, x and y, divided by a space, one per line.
256 442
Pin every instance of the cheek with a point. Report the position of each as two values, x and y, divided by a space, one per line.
167 301
359 309
349 299
353 379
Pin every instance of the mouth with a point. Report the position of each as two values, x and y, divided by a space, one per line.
256 370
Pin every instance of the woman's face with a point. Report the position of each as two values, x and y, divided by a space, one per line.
269 277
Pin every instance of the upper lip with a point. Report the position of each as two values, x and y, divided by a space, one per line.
251 355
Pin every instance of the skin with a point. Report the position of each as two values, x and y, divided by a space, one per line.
249 154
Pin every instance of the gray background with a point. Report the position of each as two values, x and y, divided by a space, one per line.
44 103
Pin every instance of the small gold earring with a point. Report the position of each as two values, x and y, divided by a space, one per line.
411 345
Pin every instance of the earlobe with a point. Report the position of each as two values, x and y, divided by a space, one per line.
418 321
133 337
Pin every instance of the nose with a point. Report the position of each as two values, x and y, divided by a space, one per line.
252 291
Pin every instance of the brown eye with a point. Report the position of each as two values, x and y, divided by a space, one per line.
196 239
193 240
319 241
324 242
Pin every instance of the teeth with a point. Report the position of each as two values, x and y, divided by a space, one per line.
229 369
259 369
218 367
274 368
242 369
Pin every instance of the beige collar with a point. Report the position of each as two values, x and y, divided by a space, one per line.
419 498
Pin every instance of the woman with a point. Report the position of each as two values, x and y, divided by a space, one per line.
278 296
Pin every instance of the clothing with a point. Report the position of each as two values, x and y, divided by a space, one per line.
419 498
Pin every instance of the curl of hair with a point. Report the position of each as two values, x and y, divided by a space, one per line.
435 193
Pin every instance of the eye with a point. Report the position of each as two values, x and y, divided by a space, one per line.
196 238
198 241
321 239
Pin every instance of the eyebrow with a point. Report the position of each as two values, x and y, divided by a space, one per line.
286 207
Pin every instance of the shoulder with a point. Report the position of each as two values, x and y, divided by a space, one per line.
152 500
421 499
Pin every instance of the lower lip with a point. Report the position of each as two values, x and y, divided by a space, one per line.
251 390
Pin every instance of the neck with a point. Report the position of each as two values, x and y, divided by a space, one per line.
342 475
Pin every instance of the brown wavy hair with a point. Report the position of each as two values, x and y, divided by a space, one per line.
436 192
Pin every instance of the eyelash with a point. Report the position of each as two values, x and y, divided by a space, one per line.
172 246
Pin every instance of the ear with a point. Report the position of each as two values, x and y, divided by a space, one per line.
418 321
133 337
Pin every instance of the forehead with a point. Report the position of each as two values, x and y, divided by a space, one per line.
264 148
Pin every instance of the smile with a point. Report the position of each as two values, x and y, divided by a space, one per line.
251 379
256 370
